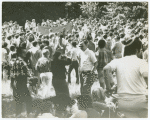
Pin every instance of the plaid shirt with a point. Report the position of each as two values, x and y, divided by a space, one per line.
104 57
18 68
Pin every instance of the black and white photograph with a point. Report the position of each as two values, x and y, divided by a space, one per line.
74 59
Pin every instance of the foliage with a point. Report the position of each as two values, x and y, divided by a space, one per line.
133 10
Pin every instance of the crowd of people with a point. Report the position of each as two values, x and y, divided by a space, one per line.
98 49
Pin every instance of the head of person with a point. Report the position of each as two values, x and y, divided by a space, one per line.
31 38
9 37
46 53
98 95
41 46
33 20
23 45
34 43
84 45
101 43
4 45
132 47
84 102
57 55
117 38
12 48
105 36
74 44
89 37
46 42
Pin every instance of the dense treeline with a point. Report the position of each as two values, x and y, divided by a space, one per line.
21 11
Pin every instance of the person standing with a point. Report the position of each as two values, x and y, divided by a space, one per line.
104 56
132 81
35 54
59 73
18 74
33 25
117 49
74 63
88 65
43 66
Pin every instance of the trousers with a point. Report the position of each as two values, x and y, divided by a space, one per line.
74 65
135 107
87 79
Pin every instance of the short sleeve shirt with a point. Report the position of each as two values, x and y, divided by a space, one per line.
88 59
129 72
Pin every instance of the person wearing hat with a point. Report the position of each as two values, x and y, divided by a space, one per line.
59 73
132 81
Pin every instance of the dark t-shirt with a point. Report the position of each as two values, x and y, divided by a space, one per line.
58 68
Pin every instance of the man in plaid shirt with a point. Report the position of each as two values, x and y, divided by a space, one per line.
18 74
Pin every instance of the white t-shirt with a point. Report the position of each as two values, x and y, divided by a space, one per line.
88 59
129 72
74 53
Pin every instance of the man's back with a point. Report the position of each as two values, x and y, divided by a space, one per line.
129 72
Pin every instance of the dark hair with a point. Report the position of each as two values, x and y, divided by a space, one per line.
12 48
85 101
31 38
9 37
41 46
77 35
89 37
46 42
105 36
34 43
122 35
141 37
4 45
23 45
110 34
56 55
74 44
132 49
101 43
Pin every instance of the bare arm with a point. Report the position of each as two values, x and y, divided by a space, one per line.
95 66
107 75
145 76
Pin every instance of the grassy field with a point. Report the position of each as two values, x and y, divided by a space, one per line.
8 103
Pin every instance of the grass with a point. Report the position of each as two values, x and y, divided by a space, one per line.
39 105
